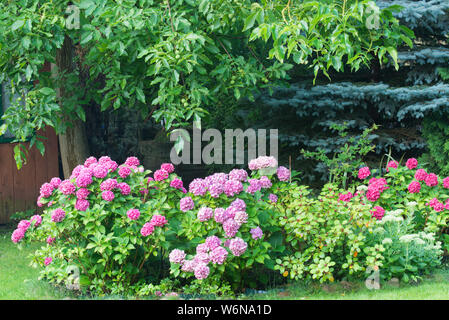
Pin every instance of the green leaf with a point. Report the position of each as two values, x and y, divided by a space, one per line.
17 24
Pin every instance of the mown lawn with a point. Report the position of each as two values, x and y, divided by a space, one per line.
20 281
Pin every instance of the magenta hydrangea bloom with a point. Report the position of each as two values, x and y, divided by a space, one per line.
372 194
24 224
55 182
108 185
132 161
82 193
47 261
100 171
111 165
38 202
414 187
262 162
50 239
176 183
439 206
241 217
420 175
104 160
83 180
147 229
58 215
239 204
108 195
17 235
230 212
237 246
411 163
378 212
232 187
219 177
37 219
125 189
198 187
124 171
283 173
82 205
133 214
219 215
177 256
160 175
201 271
218 255
186 204
446 183
158 220
205 214
76 171
272 198
168 167
230 227
364 173
67 187
46 190
238 174
431 180
90 161
392 164
256 233
345 196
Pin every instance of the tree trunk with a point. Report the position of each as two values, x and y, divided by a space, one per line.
73 143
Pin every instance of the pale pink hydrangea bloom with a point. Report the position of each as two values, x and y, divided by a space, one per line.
231 227
158 220
219 215
237 246
239 204
219 177
241 217
273 198
218 255
212 242
215 189
198 187
262 162
186 204
188 266
256 233
265 182
254 186
238 174
177 256
283 173
202 248
202 258
205 214
201 271
147 229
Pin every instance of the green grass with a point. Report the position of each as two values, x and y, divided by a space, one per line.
19 281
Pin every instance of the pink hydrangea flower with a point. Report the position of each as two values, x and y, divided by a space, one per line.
230 227
431 180
37 219
283 173
262 162
124 171
111 165
219 177
446 183
67 187
108 195
414 187
24 224
188 266
125 189
219 215
82 193
230 212
198 187
47 261
420 175
50 240
241 217
372 194
238 174
38 202
100 171
83 180
132 161
239 204
168 167
133 214
265 182
202 258
218 255
256 233
46 190
254 186
18 235
76 171
108 185
205 214
215 189
158 220
345 196
392 164
364 173
55 182
176 183
90 161
147 229
237 246
212 242
378 212
273 198
202 248
201 271
439 206
411 163
58 215
186 204
177 256
82 204
160 175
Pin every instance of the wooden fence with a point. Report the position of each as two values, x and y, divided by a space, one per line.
19 189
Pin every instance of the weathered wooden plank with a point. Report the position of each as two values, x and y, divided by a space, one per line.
24 182
7 168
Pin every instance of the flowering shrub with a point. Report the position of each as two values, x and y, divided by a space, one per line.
405 255
107 220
